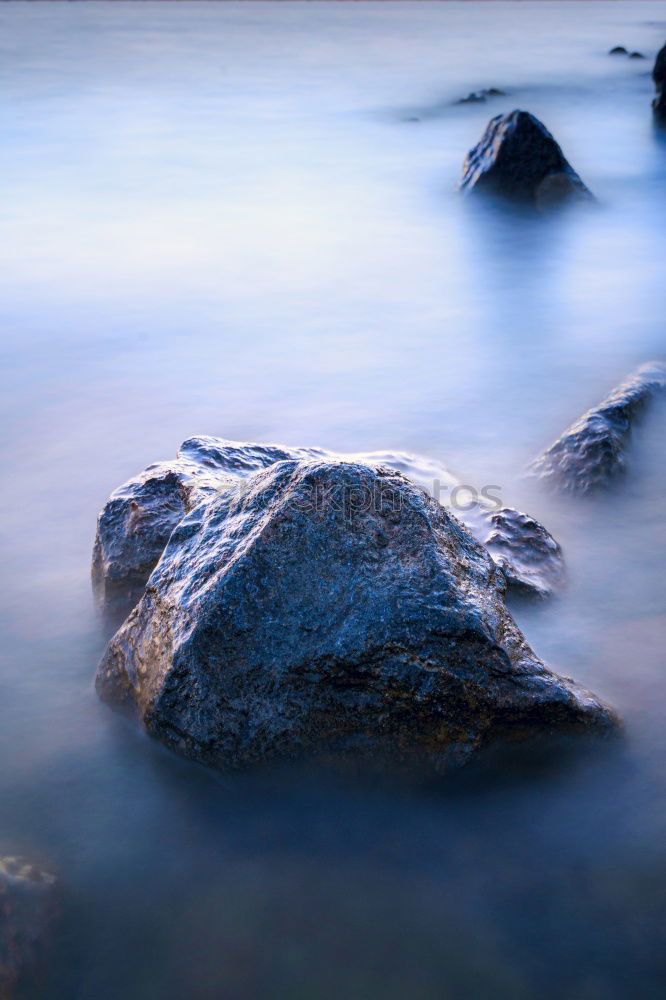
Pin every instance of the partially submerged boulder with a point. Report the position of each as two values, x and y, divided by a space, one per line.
136 522
592 451
332 608
27 911
659 77
529 556
519 161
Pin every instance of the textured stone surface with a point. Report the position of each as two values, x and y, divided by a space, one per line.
518 160
135 524
27 910
593 450
332 608
529 556
138 518
659 77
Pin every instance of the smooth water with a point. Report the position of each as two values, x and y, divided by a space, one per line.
240 219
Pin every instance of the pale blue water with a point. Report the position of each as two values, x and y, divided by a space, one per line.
223 219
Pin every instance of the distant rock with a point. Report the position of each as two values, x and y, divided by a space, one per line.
620 50
137 520
659 77
332 610
530 557
481 96
592 451
519 161
27 912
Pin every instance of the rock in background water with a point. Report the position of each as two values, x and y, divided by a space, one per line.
592 452
518 160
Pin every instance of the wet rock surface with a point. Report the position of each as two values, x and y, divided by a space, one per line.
592 452
332 609
659 77
519 161
27 911
135 524
138 518
529 556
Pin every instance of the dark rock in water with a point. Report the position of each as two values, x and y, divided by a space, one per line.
530 557
335 610
620 50
592 451
519 161
481 96
27 911
136 522
659 77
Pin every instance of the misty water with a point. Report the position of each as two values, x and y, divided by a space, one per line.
240 219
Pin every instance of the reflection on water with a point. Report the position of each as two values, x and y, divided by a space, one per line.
217 220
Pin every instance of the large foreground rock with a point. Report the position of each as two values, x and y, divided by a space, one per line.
136 522
592 452
336 609
659 77
27 911
518 160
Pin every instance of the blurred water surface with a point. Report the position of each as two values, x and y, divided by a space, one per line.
240 219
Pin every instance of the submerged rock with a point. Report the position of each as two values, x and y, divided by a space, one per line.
332 609
529 556
481 96
659 77
27 910
592 451
518 160
620 50
136 522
